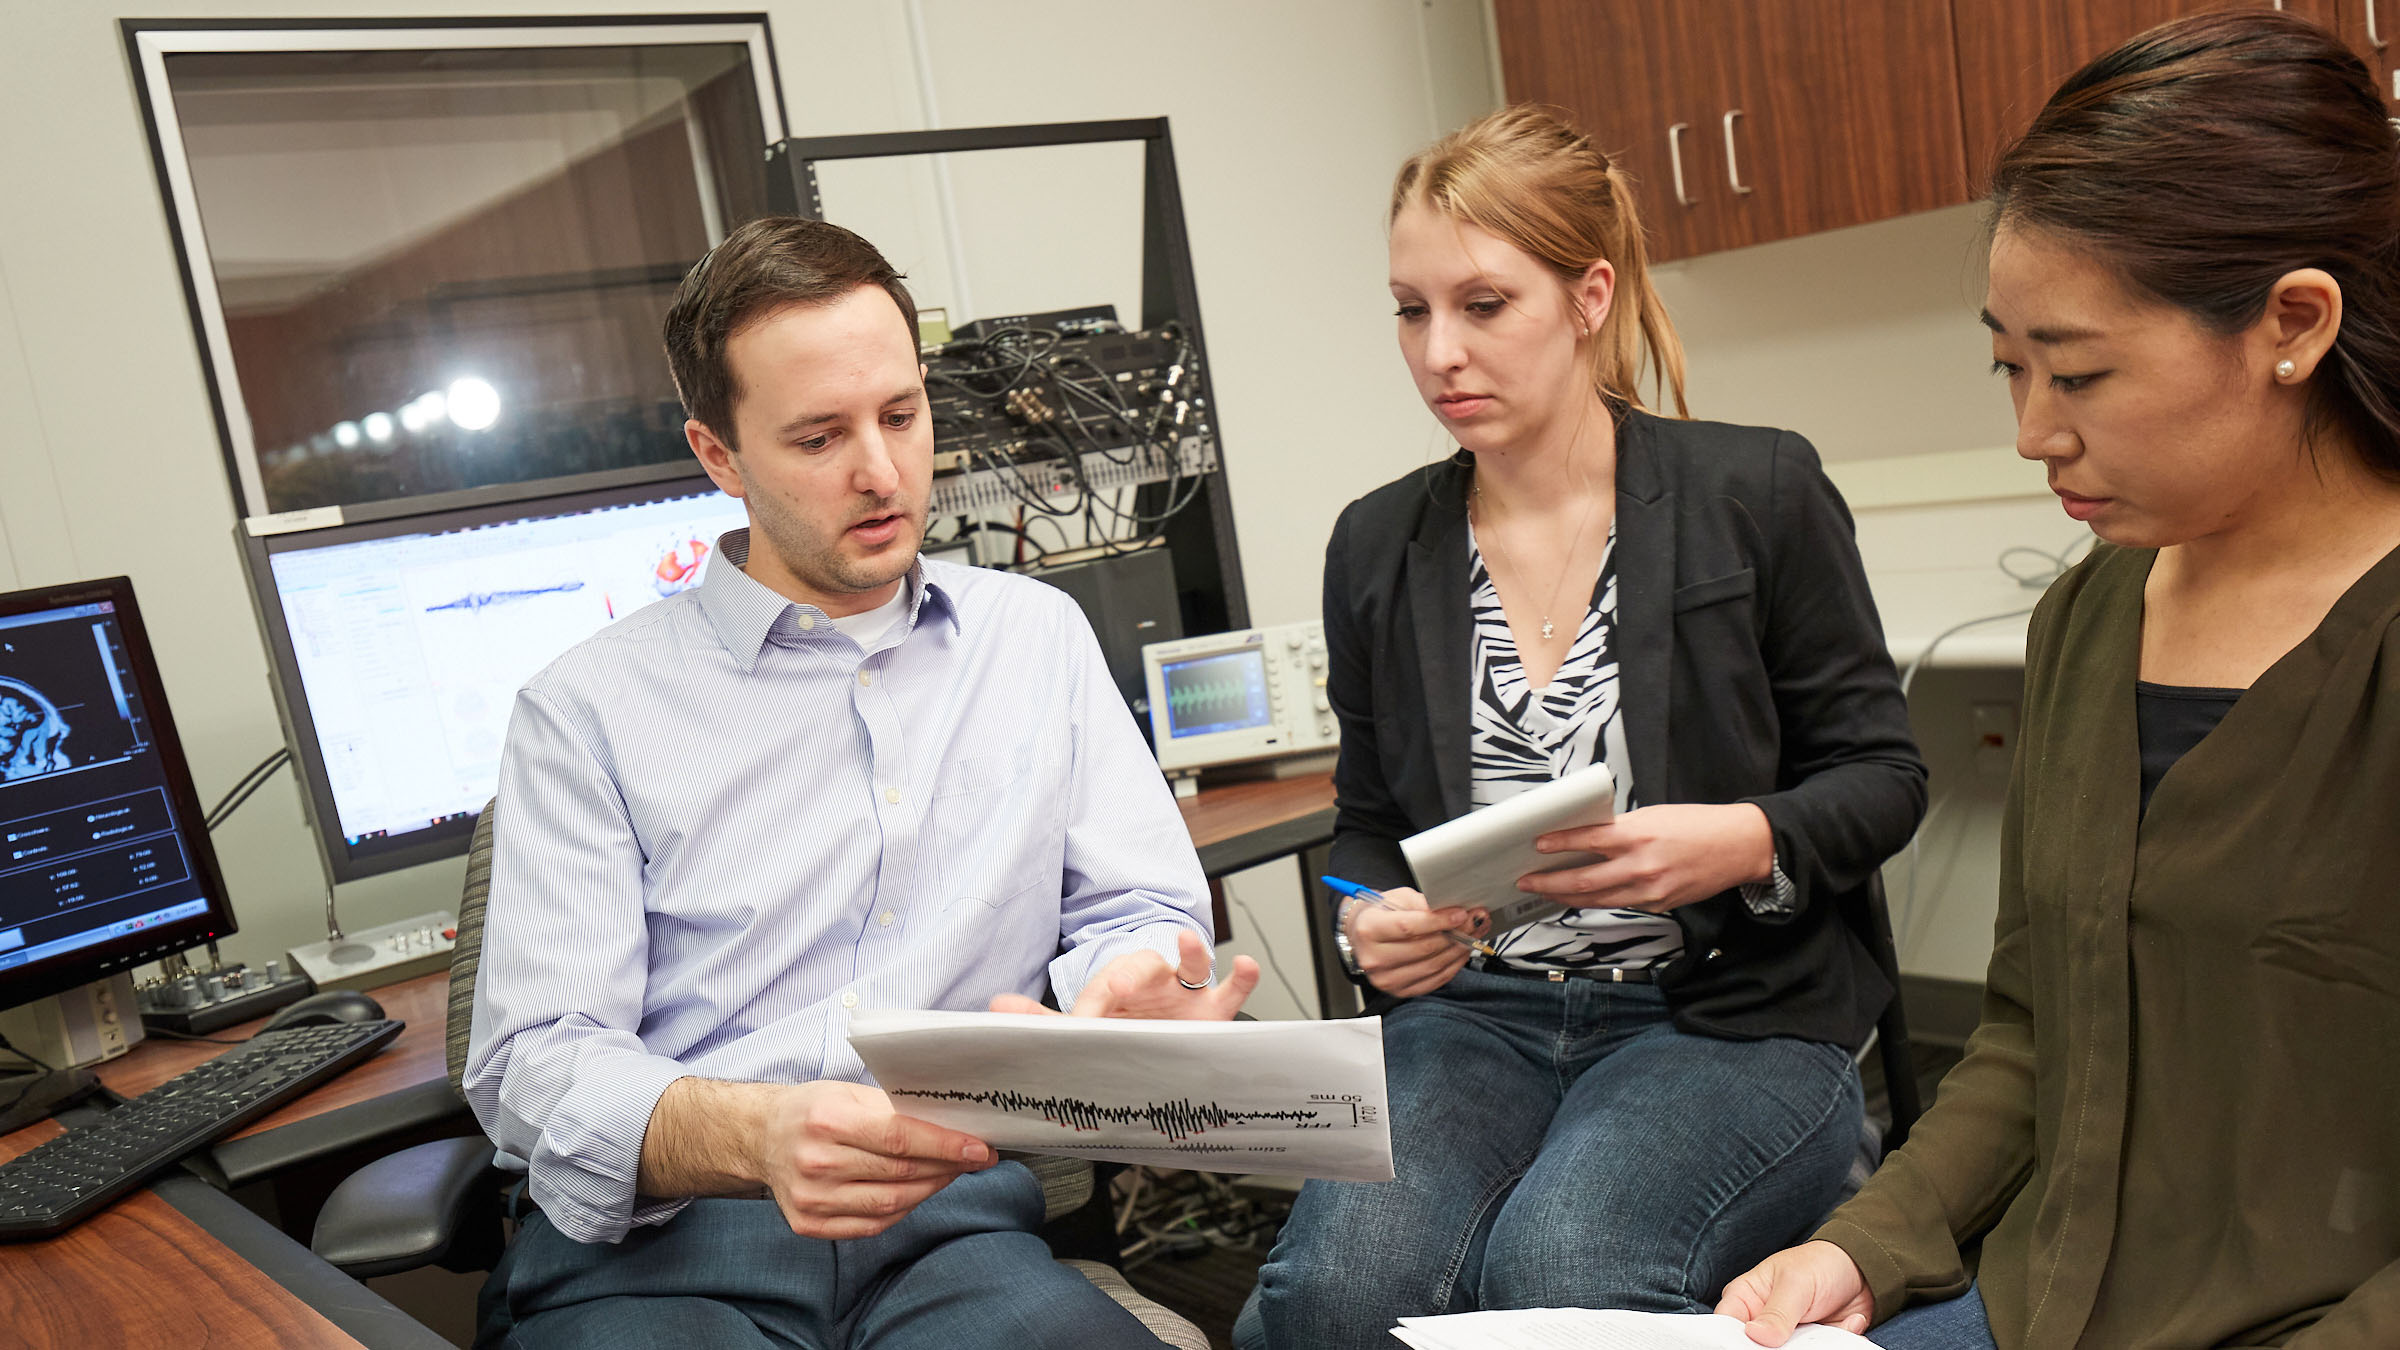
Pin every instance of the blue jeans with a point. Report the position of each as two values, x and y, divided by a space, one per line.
1955 1324
1562 1145
964 1269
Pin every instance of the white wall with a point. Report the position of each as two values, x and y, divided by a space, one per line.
1865 340
1288 118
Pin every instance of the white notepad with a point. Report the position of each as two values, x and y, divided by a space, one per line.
1477 858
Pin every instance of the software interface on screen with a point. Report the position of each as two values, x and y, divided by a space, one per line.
1216 693
88 846
411 648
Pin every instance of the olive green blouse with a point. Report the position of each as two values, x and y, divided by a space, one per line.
2179 1122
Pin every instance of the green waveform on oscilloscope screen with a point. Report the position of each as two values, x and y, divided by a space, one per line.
1185 696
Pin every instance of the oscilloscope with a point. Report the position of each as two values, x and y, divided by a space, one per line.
1254 693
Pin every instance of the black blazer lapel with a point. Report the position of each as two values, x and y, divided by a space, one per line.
1438 607
1645 558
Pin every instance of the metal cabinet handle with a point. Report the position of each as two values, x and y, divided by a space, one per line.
1675 160
2374 38
1733 165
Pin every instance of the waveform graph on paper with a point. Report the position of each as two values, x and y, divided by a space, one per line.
1289 1098
1178 1119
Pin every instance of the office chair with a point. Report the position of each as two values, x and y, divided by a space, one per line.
442 1203
1871 919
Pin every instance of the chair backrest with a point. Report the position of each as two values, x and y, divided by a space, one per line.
1872 920
466 951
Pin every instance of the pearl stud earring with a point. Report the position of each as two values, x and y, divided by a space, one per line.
2284 369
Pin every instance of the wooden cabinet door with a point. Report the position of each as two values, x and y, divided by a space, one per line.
1642 79
1784 117
1836 114
2012 54
2372 28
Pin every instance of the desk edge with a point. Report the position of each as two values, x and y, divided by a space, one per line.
361 1313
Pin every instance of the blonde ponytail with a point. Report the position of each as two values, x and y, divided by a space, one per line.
1525 175
1637 331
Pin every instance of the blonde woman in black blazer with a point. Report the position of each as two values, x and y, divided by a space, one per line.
1627 1108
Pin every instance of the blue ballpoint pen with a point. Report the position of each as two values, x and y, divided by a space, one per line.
1375 897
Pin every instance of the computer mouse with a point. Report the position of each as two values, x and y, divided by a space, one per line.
334 1005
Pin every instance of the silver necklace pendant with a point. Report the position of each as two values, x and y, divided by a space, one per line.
1547 627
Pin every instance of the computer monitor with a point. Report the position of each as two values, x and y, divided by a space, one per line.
105 862
1229 698
398 644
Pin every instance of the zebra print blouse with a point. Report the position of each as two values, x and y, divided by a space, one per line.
1522 737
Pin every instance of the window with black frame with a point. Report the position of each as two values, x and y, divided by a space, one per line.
424 258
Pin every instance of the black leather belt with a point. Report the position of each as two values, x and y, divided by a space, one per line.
1600 974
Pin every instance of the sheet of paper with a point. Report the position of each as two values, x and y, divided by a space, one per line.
1475 859
1292 1098
1588 1329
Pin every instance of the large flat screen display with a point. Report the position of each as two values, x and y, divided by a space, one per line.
104 856
399 645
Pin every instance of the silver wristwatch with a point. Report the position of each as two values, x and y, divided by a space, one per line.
1341 941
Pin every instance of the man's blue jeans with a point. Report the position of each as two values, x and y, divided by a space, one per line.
964 1269
1563 1145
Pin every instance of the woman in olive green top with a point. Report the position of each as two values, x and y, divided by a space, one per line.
2179 1123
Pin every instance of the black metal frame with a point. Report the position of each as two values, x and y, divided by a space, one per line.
1208 561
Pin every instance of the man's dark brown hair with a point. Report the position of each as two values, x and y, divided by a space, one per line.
769 263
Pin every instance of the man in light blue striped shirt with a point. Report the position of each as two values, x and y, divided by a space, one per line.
831 777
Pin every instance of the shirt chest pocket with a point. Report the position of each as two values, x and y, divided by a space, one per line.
996 828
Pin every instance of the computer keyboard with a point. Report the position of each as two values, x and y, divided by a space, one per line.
63 1181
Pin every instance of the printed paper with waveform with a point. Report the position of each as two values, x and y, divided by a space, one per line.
1288 1098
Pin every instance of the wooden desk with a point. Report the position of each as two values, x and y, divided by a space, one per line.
142 1272
1241 825
183 1263
416 1057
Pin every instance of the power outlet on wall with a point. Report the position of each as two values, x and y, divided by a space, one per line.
1995 727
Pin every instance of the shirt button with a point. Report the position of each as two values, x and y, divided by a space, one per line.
892 795
849 1000
807 621
866 678
886 920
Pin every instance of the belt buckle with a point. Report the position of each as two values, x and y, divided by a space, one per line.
1557 976
1616 974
